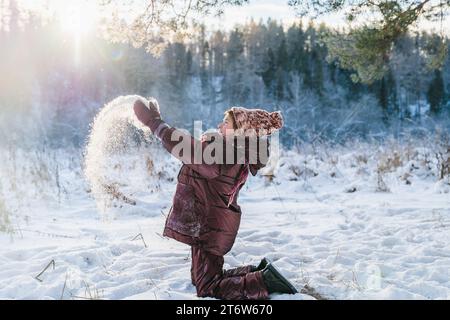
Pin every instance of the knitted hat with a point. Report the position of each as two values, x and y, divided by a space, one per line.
258 122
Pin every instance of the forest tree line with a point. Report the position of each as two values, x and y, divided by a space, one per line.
59 82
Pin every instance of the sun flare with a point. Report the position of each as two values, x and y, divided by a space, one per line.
78 19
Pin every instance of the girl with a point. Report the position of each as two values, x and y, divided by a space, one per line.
205 213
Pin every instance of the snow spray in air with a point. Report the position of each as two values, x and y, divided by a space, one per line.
123 159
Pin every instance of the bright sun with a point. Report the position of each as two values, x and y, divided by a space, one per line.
78 18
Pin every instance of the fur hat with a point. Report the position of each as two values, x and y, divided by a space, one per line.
258 122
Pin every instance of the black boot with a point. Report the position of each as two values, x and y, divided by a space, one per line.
264 262
275 282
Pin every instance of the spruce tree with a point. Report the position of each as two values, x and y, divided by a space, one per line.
269 73
436 92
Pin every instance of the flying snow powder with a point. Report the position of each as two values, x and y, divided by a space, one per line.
123 159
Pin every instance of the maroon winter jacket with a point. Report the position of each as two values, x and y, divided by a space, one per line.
205 210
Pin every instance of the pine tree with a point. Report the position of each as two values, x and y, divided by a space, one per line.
236 88
436 93
296 47
218 53
317 74
189 70
282 56
204 65
269 72
282 70
383 98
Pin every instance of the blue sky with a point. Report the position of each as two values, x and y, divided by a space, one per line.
263 9
275 9
280 10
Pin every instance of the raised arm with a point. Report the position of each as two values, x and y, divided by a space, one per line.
152 118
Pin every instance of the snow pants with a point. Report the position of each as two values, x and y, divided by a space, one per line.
211 280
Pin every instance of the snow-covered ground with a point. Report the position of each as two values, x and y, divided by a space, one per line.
326 222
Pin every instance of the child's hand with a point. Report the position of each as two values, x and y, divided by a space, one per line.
144 114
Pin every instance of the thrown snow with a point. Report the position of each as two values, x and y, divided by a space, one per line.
322 220
123 158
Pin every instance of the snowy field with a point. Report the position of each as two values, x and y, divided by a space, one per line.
347 223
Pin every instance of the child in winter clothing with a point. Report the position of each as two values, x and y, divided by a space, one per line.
205 213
